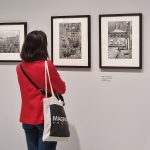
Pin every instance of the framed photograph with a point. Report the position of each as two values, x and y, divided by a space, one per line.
120 40
71 44
11 39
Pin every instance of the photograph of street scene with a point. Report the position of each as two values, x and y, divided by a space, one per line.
70 41
9 41
120 40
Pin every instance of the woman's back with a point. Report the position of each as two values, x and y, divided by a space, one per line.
32 104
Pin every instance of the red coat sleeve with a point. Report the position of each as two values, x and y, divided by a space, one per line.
57 83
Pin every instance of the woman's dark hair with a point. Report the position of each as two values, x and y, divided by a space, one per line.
35 47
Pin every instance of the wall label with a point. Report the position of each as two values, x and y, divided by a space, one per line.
106 78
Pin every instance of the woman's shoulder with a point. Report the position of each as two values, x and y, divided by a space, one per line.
40 62
51 66
35 64
50 63
18 66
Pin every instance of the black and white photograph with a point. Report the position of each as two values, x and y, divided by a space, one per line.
11 39
70 41
120 41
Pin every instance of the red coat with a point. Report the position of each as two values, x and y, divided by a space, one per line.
32 104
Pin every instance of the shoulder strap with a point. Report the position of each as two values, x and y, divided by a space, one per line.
39 89
42 91
47 77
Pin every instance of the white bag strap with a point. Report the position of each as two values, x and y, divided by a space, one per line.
47 73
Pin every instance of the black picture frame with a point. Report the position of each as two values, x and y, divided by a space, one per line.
120 41
12 35
71 41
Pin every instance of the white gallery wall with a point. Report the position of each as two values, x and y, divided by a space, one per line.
103 115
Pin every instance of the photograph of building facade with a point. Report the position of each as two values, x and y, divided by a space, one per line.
120 40
9 42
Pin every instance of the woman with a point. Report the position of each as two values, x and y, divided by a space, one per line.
34 53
